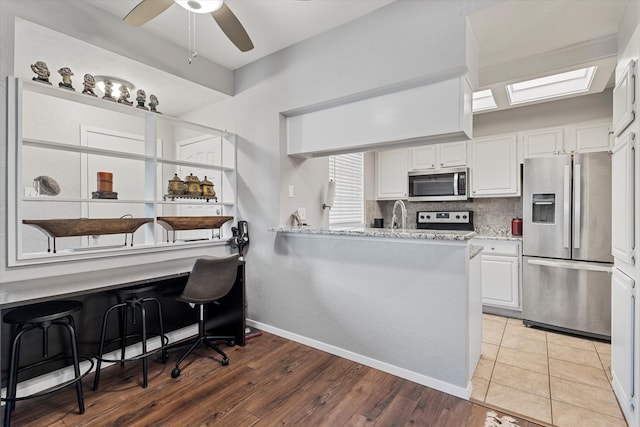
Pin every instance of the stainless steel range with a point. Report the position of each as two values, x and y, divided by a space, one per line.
445 220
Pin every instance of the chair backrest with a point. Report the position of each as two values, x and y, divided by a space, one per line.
211 278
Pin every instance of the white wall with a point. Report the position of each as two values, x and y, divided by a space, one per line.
407 41
548 114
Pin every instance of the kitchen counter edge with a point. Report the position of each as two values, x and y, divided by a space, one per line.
378 232
510 237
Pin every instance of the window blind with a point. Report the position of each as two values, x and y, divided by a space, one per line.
347 171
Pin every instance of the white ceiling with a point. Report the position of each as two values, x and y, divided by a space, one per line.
271 24
508 35
517 29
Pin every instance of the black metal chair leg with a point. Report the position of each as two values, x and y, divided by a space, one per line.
103 334
143 314
76 365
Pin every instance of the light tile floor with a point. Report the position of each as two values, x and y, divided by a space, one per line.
549 377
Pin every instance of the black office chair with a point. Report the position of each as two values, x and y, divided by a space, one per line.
211 279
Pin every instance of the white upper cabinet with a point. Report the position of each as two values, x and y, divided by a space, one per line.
592 137
436 156
622 199
423 157
624 99
495 167
579 137
392 180
543 142
453 154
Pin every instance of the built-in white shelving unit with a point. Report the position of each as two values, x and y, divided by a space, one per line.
69 136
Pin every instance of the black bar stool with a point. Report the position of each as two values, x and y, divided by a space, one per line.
130 301
42 315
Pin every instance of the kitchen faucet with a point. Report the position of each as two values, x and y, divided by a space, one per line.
403 213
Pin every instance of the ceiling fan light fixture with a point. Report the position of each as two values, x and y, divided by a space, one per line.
200 6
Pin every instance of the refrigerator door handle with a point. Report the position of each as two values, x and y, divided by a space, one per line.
577 214
591 266
566 231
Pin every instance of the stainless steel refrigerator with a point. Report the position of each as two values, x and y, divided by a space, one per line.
567 261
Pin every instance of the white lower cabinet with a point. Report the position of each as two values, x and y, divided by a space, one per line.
624 363
500 271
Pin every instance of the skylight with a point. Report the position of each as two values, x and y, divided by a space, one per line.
557 85
483 100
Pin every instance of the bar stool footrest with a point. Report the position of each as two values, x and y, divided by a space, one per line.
56 387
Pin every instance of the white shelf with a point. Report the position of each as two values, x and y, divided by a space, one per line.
78 200
84 150
195 165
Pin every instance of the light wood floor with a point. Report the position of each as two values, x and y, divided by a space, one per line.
271 381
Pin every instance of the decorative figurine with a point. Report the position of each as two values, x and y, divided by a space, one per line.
108 91
141 98
124 96
46 186
42 71
89 84
66 74
153 103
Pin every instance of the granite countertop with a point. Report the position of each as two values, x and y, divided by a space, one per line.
475 250
378 232
495 232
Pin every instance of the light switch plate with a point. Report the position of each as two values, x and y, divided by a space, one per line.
291 191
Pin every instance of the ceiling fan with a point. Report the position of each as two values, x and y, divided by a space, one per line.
146 10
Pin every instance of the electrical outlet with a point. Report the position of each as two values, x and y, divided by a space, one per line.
303 213
30 192
291 191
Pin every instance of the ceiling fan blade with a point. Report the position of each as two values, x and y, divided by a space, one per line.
146 10
232 28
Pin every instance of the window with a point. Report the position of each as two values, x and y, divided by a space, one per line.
347 172
483 100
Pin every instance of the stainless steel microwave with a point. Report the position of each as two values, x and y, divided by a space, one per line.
437 186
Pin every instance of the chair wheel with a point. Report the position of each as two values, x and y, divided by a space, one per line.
225 362
175 373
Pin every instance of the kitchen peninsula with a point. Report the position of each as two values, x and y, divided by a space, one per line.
405 302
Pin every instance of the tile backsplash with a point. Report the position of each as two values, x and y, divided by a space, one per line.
493 214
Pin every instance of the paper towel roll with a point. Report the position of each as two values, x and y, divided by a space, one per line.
331 193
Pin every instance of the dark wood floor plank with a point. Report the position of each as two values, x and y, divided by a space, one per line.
271 381
397 413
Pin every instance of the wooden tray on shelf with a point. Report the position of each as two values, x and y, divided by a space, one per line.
86 226
192 222
54 228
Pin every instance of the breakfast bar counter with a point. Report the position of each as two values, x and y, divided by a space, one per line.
379 232
405 302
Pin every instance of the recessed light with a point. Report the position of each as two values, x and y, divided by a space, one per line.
553 86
